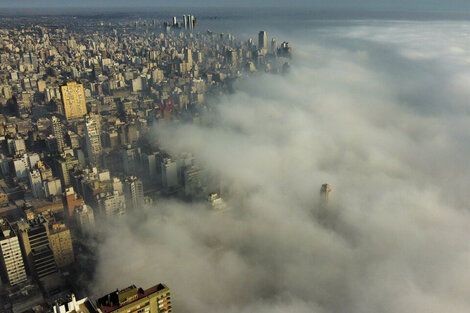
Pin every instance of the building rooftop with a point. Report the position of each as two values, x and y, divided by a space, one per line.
120 298
6 229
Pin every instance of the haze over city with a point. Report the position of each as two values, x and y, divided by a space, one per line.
242 156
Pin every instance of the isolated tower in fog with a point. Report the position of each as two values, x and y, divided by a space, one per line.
325 194
262 40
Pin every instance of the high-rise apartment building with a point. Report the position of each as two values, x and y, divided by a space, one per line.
93 138
64 164
11 258
134 193
46 243
61 244
85 218
169 173
58 133
73 98
156 299
111 204
262 40
34 239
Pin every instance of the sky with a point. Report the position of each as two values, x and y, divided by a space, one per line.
426 5
377 109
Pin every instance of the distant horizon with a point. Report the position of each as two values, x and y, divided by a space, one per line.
317 11
380 5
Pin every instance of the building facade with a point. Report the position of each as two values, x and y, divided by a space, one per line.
156 299
11 258
73 98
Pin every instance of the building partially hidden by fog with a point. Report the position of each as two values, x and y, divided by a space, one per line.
325 194
156 299
262 41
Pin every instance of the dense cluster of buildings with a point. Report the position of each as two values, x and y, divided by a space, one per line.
77 109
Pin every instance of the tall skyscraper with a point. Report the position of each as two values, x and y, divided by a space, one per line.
61 244
35 242
58 133
85 218
262 40
11 258
169 173
134 193
156 299
93 138
73 98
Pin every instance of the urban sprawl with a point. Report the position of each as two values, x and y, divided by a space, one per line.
79 100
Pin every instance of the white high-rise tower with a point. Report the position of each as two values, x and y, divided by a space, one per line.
11 258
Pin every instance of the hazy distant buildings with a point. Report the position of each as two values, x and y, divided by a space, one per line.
11 258
262 41
156 299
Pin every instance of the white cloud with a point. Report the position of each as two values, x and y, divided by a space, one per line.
387 131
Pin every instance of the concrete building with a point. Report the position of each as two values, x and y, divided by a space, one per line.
156 299
84 305
72 201
64 164
111 204
93 138
34 239
61 244
84 218
52 187
58 133
35 183
134 193
73 99
11 259
169 173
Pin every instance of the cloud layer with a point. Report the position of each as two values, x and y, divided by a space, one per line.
378 110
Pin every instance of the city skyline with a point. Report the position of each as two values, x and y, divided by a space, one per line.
251 159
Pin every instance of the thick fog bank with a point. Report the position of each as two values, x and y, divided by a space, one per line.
378 110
